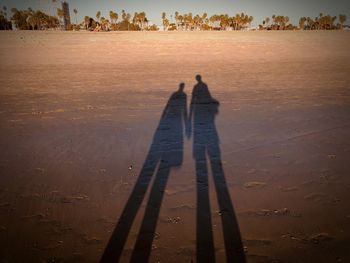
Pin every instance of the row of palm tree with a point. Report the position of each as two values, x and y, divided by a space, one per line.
33 20
5 24
322 22
278 22
203 22
30 19
138 22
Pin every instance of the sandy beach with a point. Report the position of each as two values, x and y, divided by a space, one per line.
79 111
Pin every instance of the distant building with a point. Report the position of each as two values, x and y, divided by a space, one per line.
66 15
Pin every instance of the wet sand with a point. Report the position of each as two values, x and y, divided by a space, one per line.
78 112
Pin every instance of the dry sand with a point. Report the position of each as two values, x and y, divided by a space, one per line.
77 109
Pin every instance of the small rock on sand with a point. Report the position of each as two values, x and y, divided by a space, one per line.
320 237
90 240
315 196
183 207
289 189
254 184
257 242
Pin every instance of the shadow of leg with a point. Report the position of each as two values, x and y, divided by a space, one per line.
145 238
205 242
232 237
119 236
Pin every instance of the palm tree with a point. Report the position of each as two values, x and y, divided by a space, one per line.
190 20
250 20
285 21
31 20
181 20
135 18
113 16
237 21
274 19
165 21
224 21
126 18
142 19
310 23
123 15
75 13
320 21
196 21
35 19
86 21
342 19
139 19
104 24
5 13
98 16
204 19
177 20
332 21
242 20
302 21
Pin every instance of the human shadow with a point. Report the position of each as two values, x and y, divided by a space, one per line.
165 153
203 110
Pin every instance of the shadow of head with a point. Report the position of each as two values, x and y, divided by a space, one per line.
199 78
181 87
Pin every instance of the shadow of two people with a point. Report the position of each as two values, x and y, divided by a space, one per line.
166 152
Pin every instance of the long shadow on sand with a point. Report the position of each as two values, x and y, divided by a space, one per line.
165 152
202 114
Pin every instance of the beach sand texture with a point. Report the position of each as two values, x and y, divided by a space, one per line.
78 112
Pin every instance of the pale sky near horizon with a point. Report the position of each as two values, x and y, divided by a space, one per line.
259 9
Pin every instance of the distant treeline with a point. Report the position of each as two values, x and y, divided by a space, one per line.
203 22
321 22
31 20
37 20
137 22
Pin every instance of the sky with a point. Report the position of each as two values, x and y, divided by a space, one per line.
259 9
